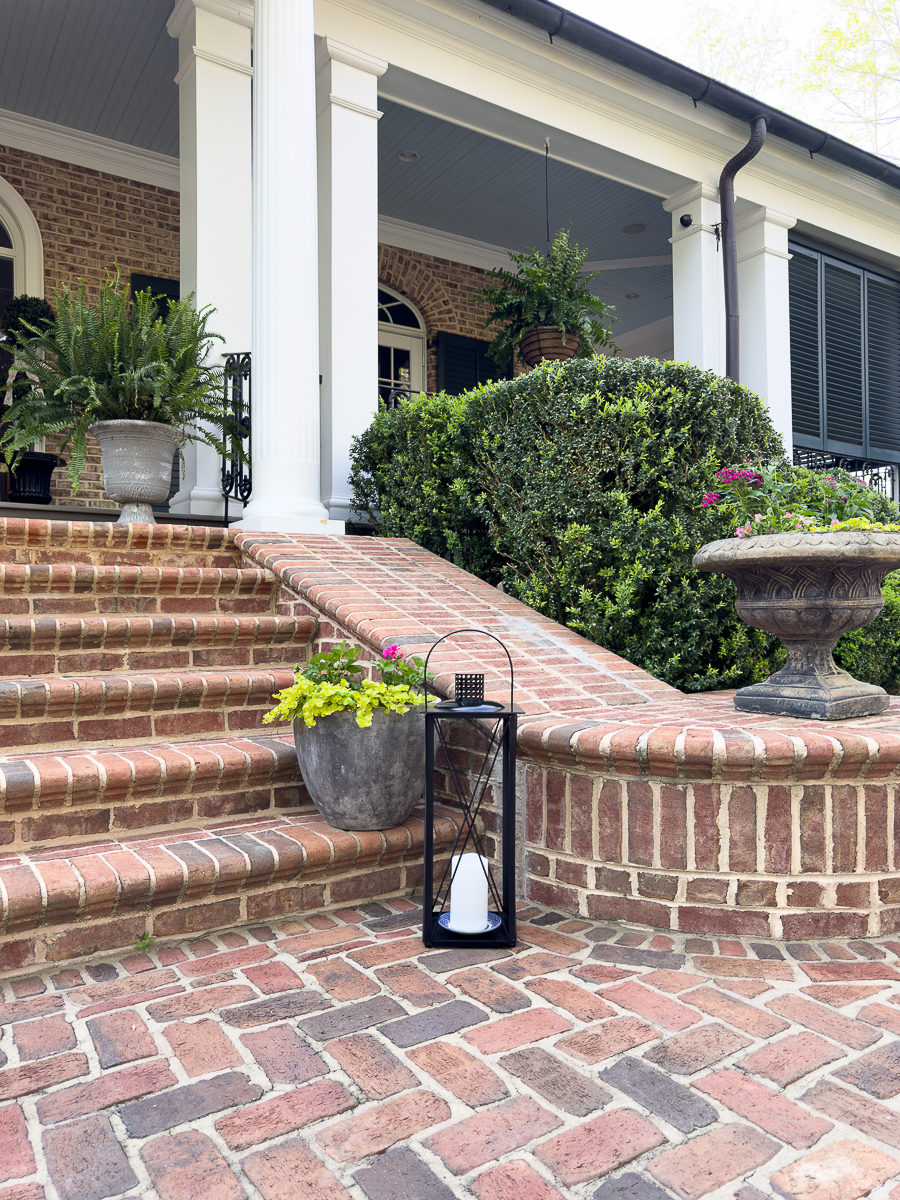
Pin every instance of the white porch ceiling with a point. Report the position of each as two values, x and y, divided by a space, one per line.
104 67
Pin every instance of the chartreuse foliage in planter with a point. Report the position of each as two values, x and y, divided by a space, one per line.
579 487
329 684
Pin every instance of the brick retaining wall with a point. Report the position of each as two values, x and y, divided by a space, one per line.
639 803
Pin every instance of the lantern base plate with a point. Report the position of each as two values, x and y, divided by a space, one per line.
493 923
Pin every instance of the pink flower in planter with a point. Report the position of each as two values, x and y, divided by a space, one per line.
392 653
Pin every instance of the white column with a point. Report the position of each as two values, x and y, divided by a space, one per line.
214 82
347 115
286 486
762 248
698 301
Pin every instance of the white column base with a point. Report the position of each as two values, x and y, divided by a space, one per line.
340 508
291 516
274 519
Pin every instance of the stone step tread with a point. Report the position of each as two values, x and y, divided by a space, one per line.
103 632
82 710
80 776
99 881
69 579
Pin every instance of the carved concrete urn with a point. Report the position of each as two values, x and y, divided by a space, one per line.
808 589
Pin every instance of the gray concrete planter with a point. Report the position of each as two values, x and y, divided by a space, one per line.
363 778
808 589
137 465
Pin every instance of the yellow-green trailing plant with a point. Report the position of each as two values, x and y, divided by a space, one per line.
330 684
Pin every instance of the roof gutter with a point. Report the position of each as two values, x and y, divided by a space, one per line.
559 23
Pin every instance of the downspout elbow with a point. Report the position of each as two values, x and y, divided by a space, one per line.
729 244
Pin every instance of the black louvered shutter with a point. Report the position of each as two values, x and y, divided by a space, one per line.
805 372
883 330
463 363
842 302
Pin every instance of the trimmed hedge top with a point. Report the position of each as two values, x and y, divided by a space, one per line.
579 487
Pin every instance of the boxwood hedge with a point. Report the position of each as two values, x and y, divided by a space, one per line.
578 487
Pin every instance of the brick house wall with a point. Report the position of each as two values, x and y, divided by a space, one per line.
89 221
443 291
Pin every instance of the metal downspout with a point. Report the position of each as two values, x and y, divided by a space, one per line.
729 245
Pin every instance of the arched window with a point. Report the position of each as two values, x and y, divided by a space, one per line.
401 346
7 268
21 248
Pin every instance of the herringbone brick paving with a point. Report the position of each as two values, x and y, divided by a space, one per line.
334 1057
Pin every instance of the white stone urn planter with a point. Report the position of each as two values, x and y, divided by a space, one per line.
137 465
808 589
363 778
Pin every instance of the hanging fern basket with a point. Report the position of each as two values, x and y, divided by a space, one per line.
546 341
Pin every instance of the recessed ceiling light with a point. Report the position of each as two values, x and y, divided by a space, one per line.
637 227
632 295
408 156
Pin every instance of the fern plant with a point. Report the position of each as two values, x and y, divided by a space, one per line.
549 289
111 361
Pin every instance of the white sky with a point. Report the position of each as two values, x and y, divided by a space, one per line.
787 28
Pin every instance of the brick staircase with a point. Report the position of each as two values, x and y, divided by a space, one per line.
139 789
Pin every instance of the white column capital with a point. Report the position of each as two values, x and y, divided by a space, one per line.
328 50
759 214
690 195
238 11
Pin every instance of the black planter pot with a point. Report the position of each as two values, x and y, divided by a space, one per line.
31 479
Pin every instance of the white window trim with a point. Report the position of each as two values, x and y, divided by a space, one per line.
27 244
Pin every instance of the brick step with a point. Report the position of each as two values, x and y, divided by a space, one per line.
105 543
52 799
94 898
59 589
85 646
62 711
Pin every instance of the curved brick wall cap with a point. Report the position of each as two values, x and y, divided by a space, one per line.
693 744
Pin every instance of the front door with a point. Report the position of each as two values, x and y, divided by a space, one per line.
401 364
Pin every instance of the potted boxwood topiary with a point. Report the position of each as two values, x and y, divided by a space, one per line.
30 484
137 381
359 742
545 308
807 559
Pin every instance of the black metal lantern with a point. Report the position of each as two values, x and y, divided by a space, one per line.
445 923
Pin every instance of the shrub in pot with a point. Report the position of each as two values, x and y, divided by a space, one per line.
360 743
545 308
139 382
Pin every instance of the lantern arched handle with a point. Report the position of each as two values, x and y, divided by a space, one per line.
483 633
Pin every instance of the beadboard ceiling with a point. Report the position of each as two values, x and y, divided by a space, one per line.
472 185
105 67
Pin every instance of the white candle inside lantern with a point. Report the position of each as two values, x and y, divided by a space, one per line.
469 894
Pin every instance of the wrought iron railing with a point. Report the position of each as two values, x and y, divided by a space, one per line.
237 476
880 476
